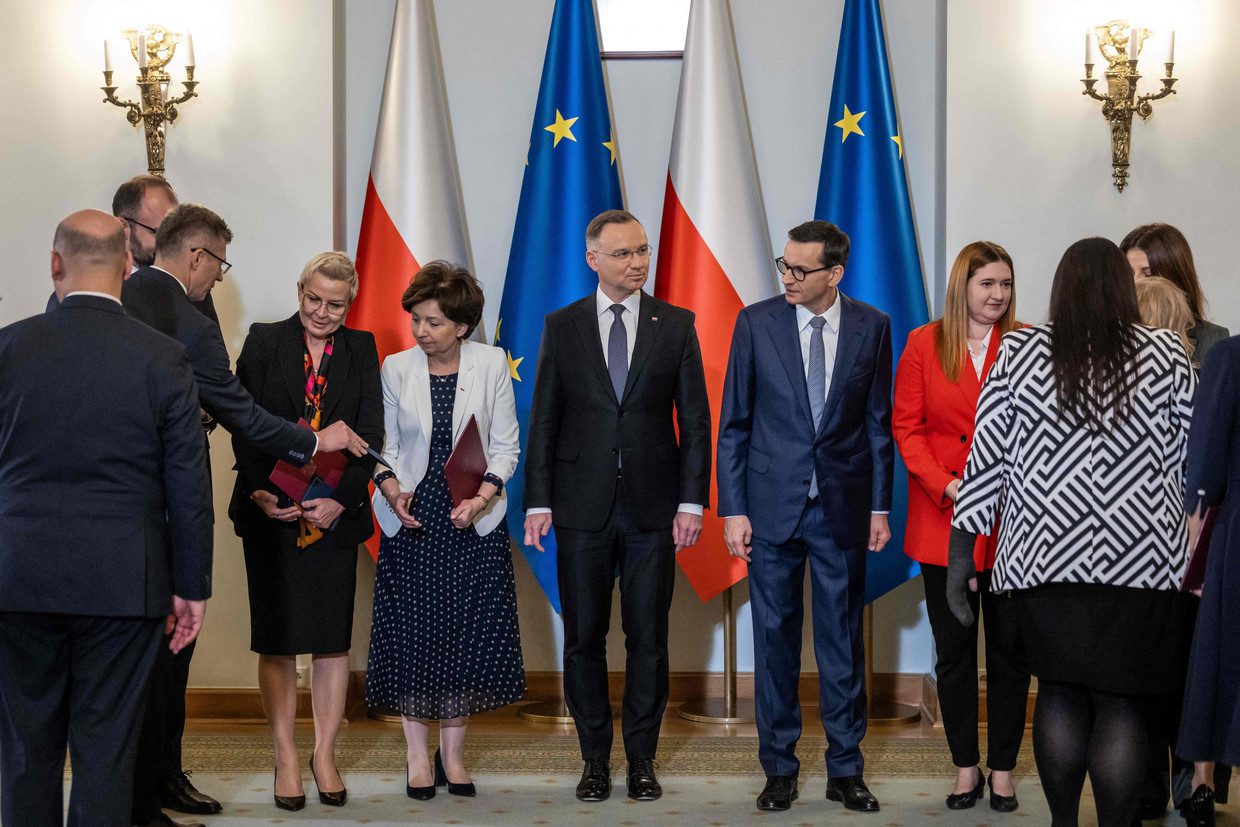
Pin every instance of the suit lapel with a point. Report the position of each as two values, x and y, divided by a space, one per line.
847 346
648 329
592 346
786 337
292 362
970 385
466 379
420 389
337 369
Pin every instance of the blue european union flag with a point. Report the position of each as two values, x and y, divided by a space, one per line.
570 177
862 189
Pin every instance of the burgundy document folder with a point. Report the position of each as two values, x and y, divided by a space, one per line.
466 465
327 469
1195 576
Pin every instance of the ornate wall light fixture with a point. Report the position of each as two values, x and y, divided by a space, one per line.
1121 44
152 48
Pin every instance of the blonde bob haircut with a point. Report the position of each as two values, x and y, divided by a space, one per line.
1162 303
953 332
334 266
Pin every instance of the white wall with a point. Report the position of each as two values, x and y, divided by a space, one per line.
1029 158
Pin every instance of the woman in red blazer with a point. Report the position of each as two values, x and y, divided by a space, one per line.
938 381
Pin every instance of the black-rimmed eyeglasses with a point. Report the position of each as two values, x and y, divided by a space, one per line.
224 265
140 224
798 273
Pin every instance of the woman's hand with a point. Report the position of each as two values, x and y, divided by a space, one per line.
400 503
270 506
322 512
464 513
953 490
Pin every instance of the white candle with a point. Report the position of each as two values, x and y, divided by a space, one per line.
141 51
1171 48
107 56
189 46
1089 48
1134 42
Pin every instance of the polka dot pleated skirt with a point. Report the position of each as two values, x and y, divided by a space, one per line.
444 641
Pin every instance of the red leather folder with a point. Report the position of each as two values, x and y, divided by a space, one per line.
294 481
1195 575
466 465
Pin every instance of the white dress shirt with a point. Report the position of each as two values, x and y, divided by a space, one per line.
979 358
629 318
93 293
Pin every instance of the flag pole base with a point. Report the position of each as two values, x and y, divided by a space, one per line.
716 711
889 712
385 715
546 712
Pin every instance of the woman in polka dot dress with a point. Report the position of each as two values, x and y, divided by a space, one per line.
444 643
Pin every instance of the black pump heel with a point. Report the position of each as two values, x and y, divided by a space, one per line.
441 780
965 801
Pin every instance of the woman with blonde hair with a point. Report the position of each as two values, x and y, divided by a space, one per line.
1162 304
938 382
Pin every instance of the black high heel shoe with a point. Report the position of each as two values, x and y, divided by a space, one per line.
441 780
1001 803
965 801
336 799
292 803
418 793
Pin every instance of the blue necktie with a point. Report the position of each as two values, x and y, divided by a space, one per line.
816 384
618 352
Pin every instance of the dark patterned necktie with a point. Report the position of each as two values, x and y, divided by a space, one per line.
618 352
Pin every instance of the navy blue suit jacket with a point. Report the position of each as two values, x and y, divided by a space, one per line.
768 449
157 298
105 507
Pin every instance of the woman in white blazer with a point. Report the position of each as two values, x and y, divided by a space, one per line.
444 643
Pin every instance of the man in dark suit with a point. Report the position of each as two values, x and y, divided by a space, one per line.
190 258
805 465
105 526
618 372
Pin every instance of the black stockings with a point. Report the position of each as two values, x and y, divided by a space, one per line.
1076 730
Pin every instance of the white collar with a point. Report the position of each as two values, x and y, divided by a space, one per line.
831 314
602 303
93 293
174 278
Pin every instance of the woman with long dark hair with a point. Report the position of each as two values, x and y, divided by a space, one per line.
1162 250
938 380
1081 434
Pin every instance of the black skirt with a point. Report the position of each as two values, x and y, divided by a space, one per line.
301 599
1112 639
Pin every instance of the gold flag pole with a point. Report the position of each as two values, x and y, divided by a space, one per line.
729 709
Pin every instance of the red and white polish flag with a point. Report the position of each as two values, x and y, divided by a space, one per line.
714 248
414 213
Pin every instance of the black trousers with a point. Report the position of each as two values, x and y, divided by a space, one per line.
1007 678
76 680
163 724
587 563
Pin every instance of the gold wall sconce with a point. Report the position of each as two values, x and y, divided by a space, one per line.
1121 44
152 48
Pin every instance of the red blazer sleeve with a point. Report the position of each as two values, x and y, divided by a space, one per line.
908 418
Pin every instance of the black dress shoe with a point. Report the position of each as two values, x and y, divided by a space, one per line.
965 801
779 793
179 794
336 799
643 786
162 820
441 780
292 803
595 783
1198 811
851 790
418 793
1008 803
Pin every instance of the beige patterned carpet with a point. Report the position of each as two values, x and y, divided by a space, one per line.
557 754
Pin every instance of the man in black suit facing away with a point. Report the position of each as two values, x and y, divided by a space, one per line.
105 526
618 372
191 248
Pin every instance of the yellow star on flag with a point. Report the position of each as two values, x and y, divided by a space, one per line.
561 129
899 144
612 146
513 364
850 123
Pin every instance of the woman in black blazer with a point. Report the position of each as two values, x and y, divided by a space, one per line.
301 559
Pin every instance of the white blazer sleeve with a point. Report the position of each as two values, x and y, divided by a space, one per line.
505 436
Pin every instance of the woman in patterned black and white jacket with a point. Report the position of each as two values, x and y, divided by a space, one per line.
1081 434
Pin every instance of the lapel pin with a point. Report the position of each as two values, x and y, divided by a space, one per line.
654 318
